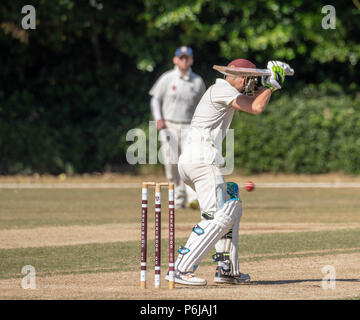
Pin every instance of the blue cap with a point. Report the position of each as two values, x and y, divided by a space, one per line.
183 50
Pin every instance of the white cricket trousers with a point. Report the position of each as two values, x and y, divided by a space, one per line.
207 181
172 139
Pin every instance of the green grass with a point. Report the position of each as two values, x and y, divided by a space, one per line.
302 205
124 256
29 208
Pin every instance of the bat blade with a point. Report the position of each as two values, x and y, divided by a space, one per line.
248 72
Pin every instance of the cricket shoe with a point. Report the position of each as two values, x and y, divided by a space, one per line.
224 276
242 278
187 278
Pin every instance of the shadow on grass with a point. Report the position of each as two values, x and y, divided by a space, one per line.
275 282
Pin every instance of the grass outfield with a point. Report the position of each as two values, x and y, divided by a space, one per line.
33 212
124 256
28 208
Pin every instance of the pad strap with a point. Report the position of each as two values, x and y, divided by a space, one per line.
221 256
207 216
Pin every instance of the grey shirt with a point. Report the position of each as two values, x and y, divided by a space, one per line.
178 94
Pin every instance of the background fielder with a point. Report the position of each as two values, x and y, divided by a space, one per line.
174 98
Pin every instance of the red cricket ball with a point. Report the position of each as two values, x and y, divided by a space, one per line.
249 186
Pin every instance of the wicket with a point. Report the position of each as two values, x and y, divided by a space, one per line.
144 218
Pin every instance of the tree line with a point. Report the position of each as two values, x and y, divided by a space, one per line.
72 87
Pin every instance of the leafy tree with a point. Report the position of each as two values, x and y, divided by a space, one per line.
72 88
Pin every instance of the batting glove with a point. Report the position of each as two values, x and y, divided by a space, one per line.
277 77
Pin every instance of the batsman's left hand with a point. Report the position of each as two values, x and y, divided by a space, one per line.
277 78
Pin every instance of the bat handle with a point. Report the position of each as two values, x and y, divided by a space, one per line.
289 72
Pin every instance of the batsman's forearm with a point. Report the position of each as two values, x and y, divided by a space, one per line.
262 99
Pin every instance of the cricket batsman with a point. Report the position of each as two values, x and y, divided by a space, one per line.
200 167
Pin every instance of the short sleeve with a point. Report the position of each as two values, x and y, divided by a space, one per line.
223 94
159 88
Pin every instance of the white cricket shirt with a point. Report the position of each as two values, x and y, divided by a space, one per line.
211 120
179 94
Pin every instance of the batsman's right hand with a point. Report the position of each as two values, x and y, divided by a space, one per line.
160 124
277 77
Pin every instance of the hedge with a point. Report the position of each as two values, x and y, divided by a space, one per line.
71 89
305 133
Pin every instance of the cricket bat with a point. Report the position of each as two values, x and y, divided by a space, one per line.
250 72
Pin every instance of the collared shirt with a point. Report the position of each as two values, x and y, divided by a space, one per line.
178 94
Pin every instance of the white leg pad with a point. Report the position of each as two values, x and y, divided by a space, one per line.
199 244
234 248
231 245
